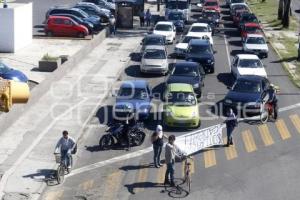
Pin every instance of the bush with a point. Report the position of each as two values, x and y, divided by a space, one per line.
47 57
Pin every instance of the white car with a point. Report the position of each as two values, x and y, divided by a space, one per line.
234 2
256 44
247 64
201 30
166 29
155 60
182 46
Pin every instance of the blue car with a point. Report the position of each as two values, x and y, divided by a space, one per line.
12 74
134 97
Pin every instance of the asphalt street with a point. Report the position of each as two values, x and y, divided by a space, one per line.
296 8
263 163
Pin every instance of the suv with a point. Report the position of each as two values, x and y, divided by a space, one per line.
64 26
200 51
103 4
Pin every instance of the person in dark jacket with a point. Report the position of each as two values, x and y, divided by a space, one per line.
231 123
142 18
148 17
157 141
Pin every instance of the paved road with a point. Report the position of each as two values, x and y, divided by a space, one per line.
261 165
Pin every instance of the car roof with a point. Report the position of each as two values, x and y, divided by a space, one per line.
165 22
180 87
134 84
199 42
200 24
255 35
255 78
158 47
247 56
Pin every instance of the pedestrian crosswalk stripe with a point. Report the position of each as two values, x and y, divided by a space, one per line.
296 121
209 158
249 141
87 185
142 177
283 130
230 151
161 174
54 195
192 166
265 135
112 185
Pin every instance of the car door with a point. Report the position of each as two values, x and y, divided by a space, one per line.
57 26
68 29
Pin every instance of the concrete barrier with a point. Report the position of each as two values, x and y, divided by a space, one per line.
6 119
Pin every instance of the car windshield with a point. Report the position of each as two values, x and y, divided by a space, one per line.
187 39
249 18
181 5
176 16
250 63
199 29
211 3
256 40
247 86
3 68
199 49
163 27
252 29
132 93
155 54
153 41
182 98
185 71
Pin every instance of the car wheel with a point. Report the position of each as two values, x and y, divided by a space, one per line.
199 124
80 35
212 70
49 34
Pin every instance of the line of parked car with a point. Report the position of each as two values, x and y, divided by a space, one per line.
84 18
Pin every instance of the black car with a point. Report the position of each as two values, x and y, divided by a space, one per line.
177 18
247 18
201 51
188 72
92 9
212 18
79 20
153 39
103 4
78 13
248 94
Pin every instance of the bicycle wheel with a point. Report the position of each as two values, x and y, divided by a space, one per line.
60 174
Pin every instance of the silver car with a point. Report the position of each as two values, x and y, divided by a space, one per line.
155 60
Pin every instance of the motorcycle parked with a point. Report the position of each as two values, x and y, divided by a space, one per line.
116 135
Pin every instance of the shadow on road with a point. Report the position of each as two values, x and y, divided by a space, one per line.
226 78
290 59
48 174
133 186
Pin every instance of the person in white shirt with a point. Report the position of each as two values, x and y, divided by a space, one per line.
158 142
66 145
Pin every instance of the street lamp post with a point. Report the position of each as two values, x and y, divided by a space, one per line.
5 4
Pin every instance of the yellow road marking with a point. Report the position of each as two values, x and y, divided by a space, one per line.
161 174
230 151
192 166
54 195
249 141
112 185
142 178
296 121
87 185
283 130
265 135
209 158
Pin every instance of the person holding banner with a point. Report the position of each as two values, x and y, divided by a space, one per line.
231 123
158 143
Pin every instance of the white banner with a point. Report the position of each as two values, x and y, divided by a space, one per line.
196 141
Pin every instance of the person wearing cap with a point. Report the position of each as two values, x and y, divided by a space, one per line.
158 142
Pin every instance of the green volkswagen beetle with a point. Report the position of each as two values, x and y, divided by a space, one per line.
181 106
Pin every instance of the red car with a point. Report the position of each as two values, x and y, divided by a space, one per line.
212 5
64 26
250 28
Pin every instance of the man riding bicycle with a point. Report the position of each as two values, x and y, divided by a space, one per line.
66 145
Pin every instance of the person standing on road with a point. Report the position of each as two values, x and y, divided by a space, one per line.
112 25
231 123
170 153
66 145
142 18
148 17
158 142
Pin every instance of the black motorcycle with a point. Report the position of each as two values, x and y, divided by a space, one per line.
116 135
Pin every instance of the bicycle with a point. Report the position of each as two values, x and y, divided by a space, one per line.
62 168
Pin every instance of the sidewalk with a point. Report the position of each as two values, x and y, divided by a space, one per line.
26 147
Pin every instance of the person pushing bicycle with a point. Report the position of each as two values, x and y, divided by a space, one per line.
66 145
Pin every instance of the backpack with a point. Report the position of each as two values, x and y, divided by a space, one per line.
154 137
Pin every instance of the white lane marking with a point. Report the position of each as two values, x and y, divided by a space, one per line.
143 151
227 51
13 168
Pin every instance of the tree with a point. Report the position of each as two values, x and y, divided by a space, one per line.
280 9
286 14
